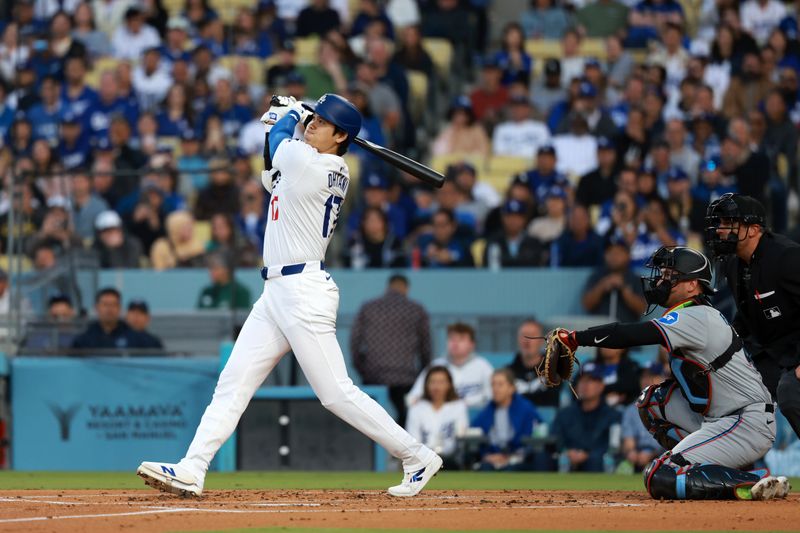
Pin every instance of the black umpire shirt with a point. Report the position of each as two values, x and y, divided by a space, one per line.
767 293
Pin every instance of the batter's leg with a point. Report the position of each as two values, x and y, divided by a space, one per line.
311 331
257 350
789 398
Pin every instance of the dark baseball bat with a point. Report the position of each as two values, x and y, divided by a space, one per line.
406 164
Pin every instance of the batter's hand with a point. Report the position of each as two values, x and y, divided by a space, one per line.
279 106
304 111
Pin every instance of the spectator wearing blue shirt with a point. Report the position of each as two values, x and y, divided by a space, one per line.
370 11
545 176
648 17
108 104
6 111
441 248
174 117
659 230
46 115
191 164
246 41
77 97
109 331
710 187
515 63
176 44
74 150
376 194
505 421
232 115
583 430
578 246
638 445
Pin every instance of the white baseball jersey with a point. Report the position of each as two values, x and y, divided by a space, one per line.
438 429
306 201
520 139
472 380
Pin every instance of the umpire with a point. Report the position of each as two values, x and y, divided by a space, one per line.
763 272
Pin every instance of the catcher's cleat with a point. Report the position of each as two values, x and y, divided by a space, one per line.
171 478
771 488
415 480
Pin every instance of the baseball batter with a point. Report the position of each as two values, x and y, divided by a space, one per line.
714 416
308 182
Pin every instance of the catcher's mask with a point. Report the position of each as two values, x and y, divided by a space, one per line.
669 266
731 212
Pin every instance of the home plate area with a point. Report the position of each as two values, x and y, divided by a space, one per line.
108 510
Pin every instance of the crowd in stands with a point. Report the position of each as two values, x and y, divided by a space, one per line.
130 127
499 415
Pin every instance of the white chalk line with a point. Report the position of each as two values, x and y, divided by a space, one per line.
161 509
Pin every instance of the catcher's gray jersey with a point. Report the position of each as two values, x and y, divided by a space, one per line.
700 333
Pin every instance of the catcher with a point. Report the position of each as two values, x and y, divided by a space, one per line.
714 416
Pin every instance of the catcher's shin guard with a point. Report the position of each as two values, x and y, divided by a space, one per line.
651 404
670 477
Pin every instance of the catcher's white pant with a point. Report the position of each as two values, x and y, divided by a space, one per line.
297 311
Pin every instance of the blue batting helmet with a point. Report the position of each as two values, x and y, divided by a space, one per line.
339 112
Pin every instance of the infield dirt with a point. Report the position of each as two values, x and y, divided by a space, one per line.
144 510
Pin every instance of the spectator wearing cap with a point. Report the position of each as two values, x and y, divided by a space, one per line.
648 17
120 144
176 42
586 105
191 165
613 290
97 42
602 19
73 149
376 195
221 195
521 135
46 115
506 420
370 11
760 17
545 20
441 248
544 176
85 204
114 248
638 446
658 162
134 36
546 90
465 176
583 430
600 185
703 134
109 331
748 168
577 147
711 185
681 153
151 80
224 292
578 245
138 318
551 224
620 376
462 134
490 96
518 190
513 247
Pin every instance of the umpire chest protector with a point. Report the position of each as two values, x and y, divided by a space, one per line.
693 377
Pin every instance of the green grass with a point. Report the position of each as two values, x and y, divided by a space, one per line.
11 480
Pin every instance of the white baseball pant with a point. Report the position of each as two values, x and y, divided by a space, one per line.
297 311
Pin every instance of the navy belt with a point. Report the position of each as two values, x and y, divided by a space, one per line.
287 270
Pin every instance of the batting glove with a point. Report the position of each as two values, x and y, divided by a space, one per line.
303 111
280 105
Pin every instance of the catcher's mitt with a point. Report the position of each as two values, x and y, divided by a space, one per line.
559 359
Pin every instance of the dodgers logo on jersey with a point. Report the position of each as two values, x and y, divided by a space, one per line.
669 319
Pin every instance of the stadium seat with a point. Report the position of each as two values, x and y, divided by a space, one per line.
101 64
498 180
202 231
509 165
306 50
541 49
254 64
173 7
228 9
476 250
440 163
441 52
418 83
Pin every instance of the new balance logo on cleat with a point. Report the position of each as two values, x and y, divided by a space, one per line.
417 476
167 470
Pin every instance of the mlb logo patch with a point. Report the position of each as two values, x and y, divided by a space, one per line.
669 319
772 312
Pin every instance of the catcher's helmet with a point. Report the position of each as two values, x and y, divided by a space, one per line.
733 209
684 264
339 112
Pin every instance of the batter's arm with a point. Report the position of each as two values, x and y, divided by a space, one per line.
621 335
281 131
